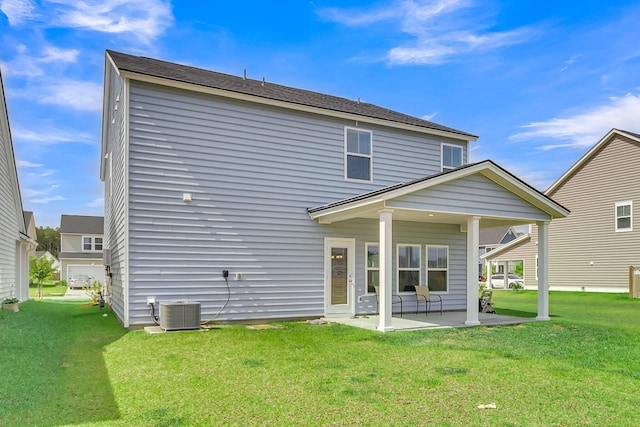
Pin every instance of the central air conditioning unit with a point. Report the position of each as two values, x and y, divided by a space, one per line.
177 315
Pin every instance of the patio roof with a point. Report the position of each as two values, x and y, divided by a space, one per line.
368 205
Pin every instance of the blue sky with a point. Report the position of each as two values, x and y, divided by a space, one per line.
539 82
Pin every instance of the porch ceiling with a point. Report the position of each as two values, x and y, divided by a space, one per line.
426 216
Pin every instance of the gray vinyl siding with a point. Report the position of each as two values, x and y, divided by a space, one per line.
588 234
252 172
114 239
462 196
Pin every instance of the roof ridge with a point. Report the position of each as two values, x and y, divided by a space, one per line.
268 90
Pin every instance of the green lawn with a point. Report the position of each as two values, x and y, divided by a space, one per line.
64 363
49 289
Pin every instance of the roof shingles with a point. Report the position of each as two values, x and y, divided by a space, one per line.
268 90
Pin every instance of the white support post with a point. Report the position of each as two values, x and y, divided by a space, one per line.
473 238
543 271
384 296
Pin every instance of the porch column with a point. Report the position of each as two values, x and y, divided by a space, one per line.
384 296
543 270
473 238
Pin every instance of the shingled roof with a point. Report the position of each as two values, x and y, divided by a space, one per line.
81 224
260 88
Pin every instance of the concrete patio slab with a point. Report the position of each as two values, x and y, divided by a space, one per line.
449 319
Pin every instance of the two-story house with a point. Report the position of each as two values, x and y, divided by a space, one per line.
262 201
591 249
81 249
16 244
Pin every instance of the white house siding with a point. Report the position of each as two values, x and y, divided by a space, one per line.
252 172
114 239
10 210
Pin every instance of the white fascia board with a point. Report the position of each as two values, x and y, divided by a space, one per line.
293 106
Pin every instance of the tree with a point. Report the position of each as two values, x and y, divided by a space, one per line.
48 240
40 269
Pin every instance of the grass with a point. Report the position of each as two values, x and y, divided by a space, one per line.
49 289
65 363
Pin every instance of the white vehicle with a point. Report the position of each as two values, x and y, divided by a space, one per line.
497 281
79 281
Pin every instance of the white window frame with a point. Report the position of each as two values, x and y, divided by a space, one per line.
444 167
92 240
347 153
625 203
367 269
438 268
399 269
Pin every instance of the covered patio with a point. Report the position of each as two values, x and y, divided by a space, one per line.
474 196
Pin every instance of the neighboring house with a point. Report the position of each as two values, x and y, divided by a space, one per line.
491 238
81 247
15 242
306 201
55 264
592 248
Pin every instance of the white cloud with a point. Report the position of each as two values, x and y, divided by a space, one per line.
46 200
42 196
55 54
144 19
353 17
75 94
29 65
27 164
79 95
429 117
18 11
586 128
438 33
49 135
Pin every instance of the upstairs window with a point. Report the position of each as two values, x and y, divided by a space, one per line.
357 154
451 157
91 243
624 216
